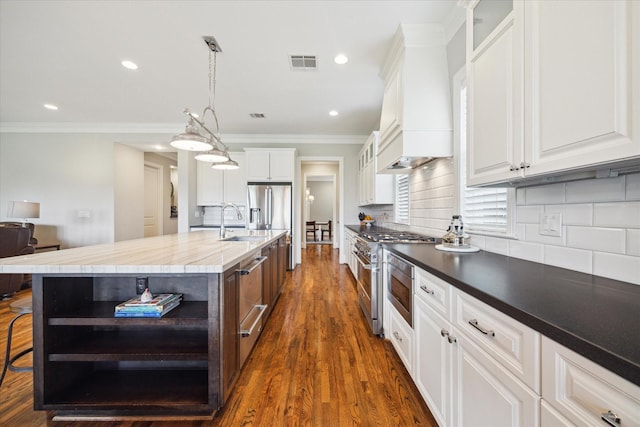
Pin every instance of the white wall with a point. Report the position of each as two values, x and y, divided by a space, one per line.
322 207
128 193
70 175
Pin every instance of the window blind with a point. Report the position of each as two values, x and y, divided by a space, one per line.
402 198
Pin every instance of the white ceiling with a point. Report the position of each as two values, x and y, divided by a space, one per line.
68 53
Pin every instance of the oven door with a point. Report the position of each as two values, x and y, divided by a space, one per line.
400 292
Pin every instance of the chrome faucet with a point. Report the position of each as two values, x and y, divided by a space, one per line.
226 205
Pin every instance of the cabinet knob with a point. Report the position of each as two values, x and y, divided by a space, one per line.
611 418
513 168
444 332
451 339
397 335
524 165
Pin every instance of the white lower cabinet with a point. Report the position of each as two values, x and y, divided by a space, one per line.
433 361
465 383
485 393
552 418
584 392
401 336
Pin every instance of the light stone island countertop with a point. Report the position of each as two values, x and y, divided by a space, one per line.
194 252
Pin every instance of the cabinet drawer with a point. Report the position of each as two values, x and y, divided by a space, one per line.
514 345
433 291
582 391
401 336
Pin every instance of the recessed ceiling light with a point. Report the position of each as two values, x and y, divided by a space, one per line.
50 107
341 59
333 113
159 147
130 65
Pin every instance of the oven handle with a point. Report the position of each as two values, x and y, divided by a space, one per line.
363 263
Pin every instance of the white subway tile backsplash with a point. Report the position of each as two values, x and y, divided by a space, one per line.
573 259
526 250
497 245
601 221
619 267
528 214
632 188
633 243
573 214
596 239
596 190
545 194
626 214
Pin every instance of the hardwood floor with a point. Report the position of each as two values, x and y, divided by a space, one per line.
315 364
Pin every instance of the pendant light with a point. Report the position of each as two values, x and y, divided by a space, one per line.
197 136
228 165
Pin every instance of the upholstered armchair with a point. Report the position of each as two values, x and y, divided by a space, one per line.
14 241
32 240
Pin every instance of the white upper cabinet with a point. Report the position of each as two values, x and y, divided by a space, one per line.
374 188
214 186
553 88
270 164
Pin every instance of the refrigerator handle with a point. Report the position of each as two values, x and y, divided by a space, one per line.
269 207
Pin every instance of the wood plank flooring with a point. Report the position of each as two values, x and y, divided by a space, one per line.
315 364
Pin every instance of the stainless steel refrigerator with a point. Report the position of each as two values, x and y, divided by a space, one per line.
270 208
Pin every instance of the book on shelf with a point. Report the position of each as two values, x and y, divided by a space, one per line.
150 312
159 299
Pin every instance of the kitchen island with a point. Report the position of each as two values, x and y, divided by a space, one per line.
90 364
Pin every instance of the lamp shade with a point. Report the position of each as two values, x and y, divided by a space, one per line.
24 210
191 140
214 155
228 165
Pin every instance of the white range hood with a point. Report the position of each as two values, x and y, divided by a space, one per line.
415 124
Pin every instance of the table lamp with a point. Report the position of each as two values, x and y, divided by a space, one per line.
24 210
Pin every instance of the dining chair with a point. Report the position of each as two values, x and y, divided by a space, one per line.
327 231
311 228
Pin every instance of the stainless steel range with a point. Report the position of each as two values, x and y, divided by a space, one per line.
368 251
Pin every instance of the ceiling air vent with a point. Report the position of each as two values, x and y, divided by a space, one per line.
257 115
303 62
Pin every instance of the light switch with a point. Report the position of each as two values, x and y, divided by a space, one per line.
551 224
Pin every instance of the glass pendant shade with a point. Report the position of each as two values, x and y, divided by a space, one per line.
214 155
228 165
191 140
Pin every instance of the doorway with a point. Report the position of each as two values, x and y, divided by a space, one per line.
319 212
152 199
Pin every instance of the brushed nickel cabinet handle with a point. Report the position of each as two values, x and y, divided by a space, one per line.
451 339
611 418
427 290
397 335
444 333
489 332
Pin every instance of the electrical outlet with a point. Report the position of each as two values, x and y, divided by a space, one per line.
551 224
142 283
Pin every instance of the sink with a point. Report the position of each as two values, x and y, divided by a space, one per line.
244 239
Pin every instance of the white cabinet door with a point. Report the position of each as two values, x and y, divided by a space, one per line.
281 165
494 93
401 336
209 185
433 361
485 393
580 83
235 181
257 165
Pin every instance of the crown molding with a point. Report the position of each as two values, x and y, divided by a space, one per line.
171 129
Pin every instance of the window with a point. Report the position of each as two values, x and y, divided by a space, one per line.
402 199
483 210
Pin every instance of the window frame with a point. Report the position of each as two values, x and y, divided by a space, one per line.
398 211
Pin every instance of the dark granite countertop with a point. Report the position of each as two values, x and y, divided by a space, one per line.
596 317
